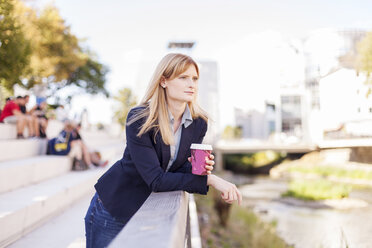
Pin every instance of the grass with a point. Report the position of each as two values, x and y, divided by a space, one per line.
246 163
326 171
243 229
317 190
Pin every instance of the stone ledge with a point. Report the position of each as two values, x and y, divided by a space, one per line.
160 222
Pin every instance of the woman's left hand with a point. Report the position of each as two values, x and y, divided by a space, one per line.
209 161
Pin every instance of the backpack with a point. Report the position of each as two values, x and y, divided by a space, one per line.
60 145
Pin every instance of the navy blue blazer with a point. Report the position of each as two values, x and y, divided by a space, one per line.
128 183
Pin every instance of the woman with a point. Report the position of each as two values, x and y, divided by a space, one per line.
157 156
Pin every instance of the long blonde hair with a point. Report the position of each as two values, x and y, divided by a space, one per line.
154 102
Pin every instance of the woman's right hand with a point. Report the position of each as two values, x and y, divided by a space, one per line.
229 192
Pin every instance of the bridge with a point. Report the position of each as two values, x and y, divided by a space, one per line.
251 146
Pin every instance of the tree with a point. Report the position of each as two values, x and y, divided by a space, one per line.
55 58
365 55
127 101
232 132
14 47
90 76
58 52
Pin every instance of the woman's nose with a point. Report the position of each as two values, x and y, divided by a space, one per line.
191 83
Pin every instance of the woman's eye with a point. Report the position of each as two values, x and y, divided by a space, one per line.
183 77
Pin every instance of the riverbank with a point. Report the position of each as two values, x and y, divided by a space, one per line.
243 228
320 223
305 224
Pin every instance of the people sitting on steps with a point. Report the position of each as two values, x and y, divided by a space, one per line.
12 114
69 143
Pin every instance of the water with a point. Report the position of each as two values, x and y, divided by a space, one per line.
310 226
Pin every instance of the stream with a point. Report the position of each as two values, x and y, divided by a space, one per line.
306 225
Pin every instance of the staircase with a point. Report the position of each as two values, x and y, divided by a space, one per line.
35 188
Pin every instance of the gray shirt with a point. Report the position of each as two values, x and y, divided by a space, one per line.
186 121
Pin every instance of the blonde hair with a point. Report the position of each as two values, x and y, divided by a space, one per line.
154 102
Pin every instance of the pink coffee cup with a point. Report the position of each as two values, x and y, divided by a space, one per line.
198 154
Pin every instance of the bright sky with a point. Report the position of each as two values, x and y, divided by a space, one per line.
249 40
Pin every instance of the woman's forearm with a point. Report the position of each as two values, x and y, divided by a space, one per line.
210 180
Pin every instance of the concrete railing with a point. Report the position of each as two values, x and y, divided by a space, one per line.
162 221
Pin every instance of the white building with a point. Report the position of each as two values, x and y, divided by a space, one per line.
255 124
345 105
325 51
283 107
251 123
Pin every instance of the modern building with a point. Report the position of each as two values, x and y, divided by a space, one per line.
292 113
255 124
326 51
345 105
251 123
282 112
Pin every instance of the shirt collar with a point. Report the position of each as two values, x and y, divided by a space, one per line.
186 117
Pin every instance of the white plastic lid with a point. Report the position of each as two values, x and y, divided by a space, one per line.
201 147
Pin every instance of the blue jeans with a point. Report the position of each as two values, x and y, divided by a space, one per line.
100 227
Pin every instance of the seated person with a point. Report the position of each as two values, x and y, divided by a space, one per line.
92 157
31 118
12 114
62 144
39 112
69 143
22 106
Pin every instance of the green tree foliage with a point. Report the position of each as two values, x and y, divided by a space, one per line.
58 51
14 47
91 76
365 55
126 101
232 132
56 58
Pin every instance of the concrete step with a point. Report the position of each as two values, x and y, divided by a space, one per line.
99 138
110 151
21 148
24 209
7 131
64 230
24 148
22 172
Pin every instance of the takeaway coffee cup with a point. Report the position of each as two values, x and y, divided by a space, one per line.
198 154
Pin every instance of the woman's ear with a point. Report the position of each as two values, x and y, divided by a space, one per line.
162 82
